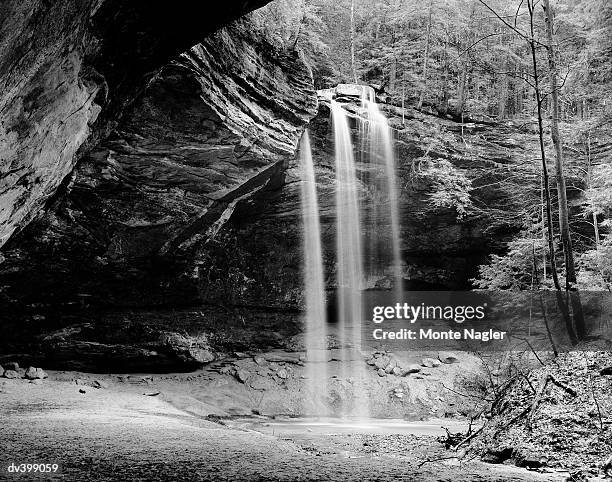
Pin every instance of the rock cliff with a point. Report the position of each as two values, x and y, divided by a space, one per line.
178 235
68 69
214 129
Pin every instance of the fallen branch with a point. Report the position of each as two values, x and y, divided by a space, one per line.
563 386
469 437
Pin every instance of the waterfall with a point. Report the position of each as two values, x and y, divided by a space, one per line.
349 260
374 141
315 319
381 153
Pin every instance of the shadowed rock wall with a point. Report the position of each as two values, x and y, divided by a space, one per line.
215 129
68 69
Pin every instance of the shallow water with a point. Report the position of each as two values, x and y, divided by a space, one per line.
328 425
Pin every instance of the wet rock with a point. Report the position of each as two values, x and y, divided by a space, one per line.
258 382
448 358
382 362
33 373
189 349
242 375
285 357
414 368
11 374
430 363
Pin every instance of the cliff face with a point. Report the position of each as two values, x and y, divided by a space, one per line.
179 234
214 131
68 69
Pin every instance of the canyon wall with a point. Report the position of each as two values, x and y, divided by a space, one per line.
68 70
177 236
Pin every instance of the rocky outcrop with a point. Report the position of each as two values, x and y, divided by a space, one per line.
133 223
68 69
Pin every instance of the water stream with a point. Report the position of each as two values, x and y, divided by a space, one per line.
375 144
315 322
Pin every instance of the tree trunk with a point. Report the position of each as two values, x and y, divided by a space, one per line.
566 238
426 58
353 63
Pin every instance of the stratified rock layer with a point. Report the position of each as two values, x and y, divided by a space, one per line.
215 129
68 69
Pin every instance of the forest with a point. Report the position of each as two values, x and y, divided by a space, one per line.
288 240
491 61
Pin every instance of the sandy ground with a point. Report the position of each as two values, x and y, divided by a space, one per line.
118 433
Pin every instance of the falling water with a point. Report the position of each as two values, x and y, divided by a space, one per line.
349 260
375 145
381 152
316 323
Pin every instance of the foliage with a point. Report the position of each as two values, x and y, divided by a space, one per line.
470 58
599 194
595 268
451 186
518 269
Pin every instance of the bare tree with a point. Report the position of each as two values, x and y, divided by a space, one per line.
353 63
566 237
426 57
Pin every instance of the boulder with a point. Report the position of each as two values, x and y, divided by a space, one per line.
33 373
11 366
11 374
354 90
397 371
282 373
382 362
448 358
242 375
430 362
260 360
381 372
414 368
531 461
1 371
